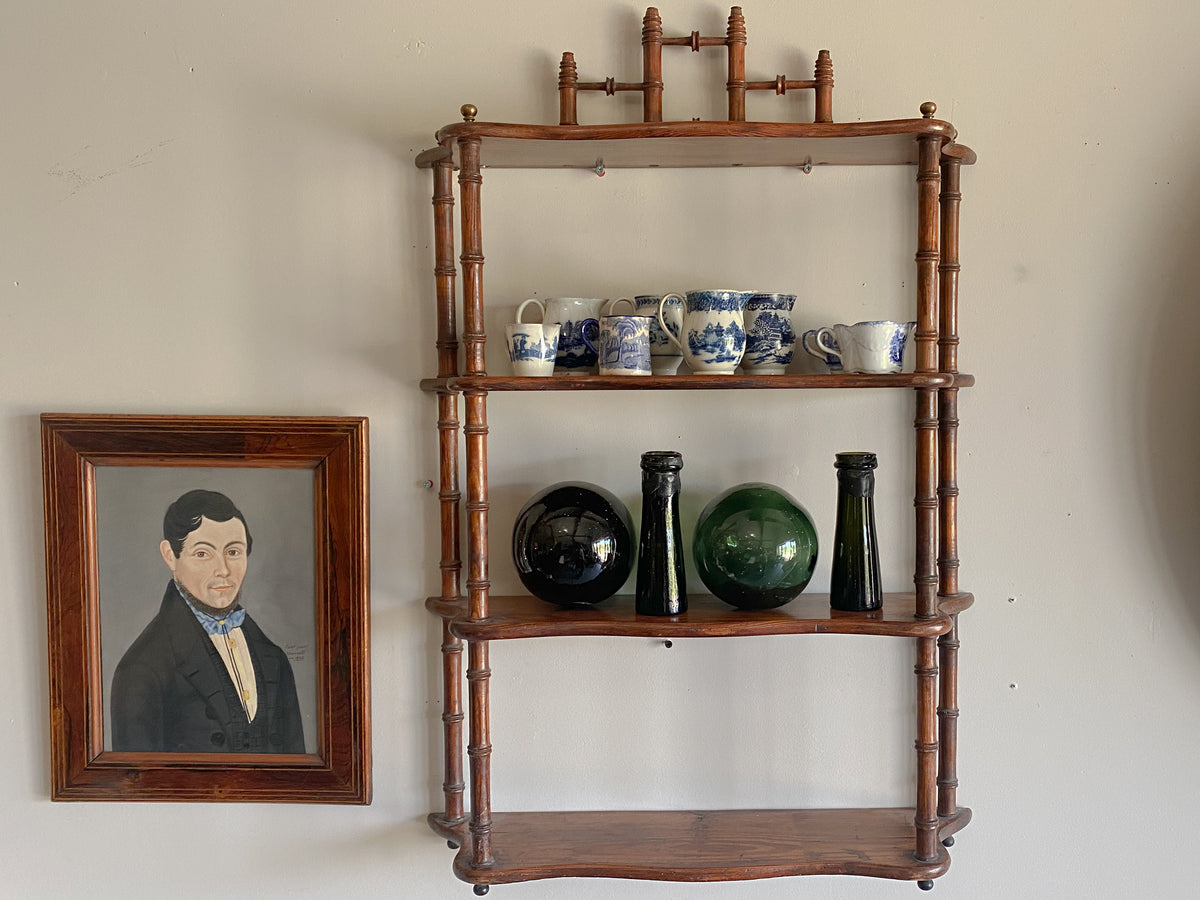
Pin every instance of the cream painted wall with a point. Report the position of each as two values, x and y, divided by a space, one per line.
212 208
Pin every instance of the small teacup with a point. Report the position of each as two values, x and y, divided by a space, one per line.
532 347
770 339
624 344
873 348
809 342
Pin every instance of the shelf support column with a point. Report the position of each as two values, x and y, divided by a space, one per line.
948 563
449 496
926 819
479 747
925 578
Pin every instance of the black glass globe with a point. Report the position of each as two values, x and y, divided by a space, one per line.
573 544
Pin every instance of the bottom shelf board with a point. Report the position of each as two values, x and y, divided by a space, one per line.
704 845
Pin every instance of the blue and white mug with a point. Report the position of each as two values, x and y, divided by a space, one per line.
532 347
713 337
770 338
623 347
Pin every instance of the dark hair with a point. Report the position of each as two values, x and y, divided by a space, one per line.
184 515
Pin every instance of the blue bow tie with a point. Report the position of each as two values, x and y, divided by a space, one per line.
222 625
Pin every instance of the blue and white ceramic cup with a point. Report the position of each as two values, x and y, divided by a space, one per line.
713 337
532 347
624 344
770 338
808 341
872 348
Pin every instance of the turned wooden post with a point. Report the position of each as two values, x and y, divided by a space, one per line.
948 563
823 88
735 39
449 495
479 747
925 578
652 83
568 94
926 820
469 184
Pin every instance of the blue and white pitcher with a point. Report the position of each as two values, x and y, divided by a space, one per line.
713 337
664 358
575 314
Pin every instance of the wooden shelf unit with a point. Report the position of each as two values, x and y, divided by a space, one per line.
503 847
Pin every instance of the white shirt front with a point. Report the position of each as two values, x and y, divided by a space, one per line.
236 656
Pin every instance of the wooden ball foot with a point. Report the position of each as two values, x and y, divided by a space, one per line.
481 889
925 885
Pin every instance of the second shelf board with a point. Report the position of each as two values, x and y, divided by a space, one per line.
687 382
524 616
702 845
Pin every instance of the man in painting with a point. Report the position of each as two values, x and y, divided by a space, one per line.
202 676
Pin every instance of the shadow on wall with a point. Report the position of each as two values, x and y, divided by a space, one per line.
1167 397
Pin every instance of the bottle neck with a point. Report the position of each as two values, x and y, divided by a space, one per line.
857 482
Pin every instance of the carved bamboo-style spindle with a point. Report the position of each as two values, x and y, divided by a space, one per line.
947 782
735 39
470 182
925 579
652 83
480 752
568 79
948 563
926 820
449 495
823 88
479 747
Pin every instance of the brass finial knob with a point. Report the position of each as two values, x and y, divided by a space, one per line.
469 111
928 108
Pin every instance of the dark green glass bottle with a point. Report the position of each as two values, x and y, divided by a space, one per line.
854 583
661 586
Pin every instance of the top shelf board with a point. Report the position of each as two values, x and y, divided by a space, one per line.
695 144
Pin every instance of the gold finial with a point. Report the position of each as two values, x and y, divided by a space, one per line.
928 108
469 111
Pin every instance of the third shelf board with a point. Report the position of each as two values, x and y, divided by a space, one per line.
523 616
706 845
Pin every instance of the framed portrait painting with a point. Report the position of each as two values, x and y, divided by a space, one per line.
207 591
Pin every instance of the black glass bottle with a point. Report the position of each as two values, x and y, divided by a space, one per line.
854 584
661 588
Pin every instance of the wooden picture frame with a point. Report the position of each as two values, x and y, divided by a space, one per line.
105 479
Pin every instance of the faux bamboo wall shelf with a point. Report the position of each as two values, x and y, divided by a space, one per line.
721 845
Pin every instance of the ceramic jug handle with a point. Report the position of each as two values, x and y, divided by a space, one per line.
808 342
671 336
583 333
832 351
608 310
540 305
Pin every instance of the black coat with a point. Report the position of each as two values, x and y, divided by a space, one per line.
172 693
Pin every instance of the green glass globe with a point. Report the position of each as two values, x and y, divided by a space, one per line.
755 546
